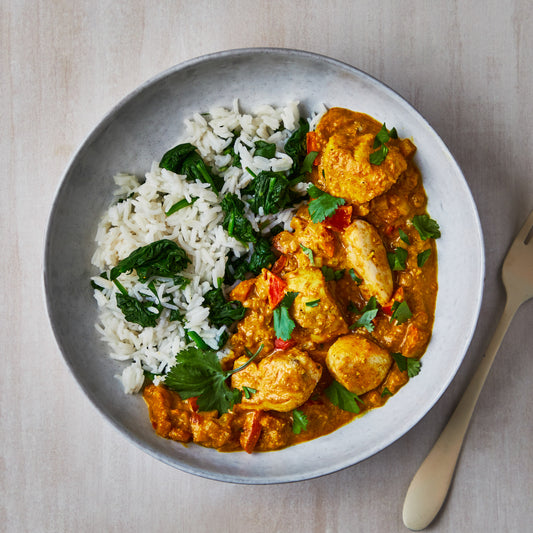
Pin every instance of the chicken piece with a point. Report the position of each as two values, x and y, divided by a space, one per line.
283 380
366 253
358 363
322 319
345 169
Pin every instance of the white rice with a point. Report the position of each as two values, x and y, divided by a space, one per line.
137 218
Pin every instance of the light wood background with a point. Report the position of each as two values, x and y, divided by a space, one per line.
467 67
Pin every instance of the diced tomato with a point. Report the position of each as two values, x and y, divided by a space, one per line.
280 344
251 431
276 289
340 220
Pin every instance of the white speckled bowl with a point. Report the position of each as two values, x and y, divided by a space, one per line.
149 121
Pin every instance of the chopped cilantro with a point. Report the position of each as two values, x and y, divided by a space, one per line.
397 259
370 310
426 227
382 137
248 391
412 366
312 303
309 253
341 397
422 257
404 236
283 324
330 274
354 276
400 312
386 392
299 421
322 205
197 372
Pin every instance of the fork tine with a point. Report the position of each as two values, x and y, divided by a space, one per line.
524 231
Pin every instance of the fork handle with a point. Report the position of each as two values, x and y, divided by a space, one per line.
430 485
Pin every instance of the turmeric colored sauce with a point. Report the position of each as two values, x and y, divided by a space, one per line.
336 266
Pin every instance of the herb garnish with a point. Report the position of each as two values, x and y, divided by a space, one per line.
198 373
400 312
407 363
283 324
299 421
397 259
341 397
309 253
422 257
248 391
382 137
312 303
426 227
404 236
331 274
386 392
322 205
355 277
370 310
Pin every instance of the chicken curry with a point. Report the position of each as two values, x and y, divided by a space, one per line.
339 321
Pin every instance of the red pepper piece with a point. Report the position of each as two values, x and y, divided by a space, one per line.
280 344
251 431
340 220
276 289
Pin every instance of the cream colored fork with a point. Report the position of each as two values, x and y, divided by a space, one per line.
430 485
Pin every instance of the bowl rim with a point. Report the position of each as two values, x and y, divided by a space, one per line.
94 134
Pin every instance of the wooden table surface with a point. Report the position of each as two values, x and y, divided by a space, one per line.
466 66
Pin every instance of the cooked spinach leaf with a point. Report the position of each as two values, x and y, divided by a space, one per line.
221 311
235 223
136 311
163 258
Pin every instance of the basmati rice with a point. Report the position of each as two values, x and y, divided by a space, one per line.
137 218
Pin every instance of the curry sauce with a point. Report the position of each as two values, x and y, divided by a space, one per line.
367 259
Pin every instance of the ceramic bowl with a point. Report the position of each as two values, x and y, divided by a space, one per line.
149 121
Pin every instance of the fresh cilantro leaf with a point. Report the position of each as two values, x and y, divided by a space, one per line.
353 308
299 421
265 149
178 206
163 258
382 137
397 259
312 303
198 373
309 253
283 324
344 399
136 311
322 205
422 257
404 236
426 227
354 276
401 312
248 391
377 157
412 366
370 310
235 223
330 274
386 392
221 311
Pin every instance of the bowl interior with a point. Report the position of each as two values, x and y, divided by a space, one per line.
149 121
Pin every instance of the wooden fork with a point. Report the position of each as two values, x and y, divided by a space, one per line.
430 485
